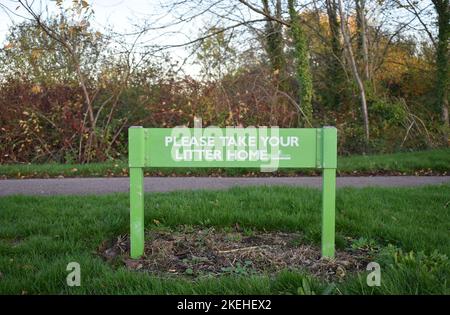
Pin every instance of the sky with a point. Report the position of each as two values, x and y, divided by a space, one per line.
120 15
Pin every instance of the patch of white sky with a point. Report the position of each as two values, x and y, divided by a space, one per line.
125 17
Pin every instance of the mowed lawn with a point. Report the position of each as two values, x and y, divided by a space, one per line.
410 227
404 163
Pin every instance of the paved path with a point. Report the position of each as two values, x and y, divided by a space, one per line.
84 186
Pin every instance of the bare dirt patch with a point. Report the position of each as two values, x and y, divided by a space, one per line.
208 252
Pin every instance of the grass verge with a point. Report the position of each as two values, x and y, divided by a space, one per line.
433 162
408 229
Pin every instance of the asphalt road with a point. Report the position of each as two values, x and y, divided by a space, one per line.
89 186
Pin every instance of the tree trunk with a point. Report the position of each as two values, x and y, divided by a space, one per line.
362 37
351 57
335 69
274 39
442 63
301 60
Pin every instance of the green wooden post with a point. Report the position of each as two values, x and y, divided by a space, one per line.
136 157
329 164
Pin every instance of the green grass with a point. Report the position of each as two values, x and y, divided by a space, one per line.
39 236
411 163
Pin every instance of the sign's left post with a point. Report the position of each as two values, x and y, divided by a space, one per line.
136 160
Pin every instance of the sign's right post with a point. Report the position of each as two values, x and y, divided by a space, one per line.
329 165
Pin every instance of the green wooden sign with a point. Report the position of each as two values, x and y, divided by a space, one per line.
265 148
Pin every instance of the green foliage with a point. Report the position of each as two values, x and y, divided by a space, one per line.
416 272
216 54
240 269
302 69
442 8
305 289
364 244
405 273
389 113
33 54
274 42
335 72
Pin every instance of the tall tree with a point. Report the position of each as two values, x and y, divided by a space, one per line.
363 49
362 93
303 73
442 63
335 69
274 38
442 8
